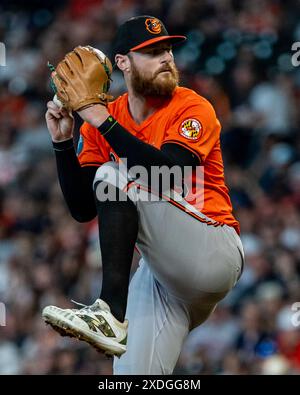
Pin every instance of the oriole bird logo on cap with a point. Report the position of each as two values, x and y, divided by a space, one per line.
153 25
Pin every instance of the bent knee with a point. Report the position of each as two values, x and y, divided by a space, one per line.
110 184
109 172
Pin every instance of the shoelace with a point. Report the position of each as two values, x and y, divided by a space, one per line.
83 306
79 304
86 307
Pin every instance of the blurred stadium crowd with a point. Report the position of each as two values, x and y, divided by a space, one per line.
238 55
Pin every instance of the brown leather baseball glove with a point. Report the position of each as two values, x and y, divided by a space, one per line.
82 78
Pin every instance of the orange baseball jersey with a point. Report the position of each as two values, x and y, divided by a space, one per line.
187 119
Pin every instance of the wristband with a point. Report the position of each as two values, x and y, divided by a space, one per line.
63 145
107 125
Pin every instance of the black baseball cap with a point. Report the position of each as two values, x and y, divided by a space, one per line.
139 32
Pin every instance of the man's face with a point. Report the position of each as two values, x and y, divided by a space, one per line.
153 71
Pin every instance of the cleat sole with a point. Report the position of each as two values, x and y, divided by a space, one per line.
65 330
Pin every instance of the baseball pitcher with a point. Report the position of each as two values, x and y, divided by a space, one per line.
184 229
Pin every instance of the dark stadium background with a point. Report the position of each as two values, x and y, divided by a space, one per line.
238 55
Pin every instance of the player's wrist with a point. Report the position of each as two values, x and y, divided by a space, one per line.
63 145
94 115
107 125
61 139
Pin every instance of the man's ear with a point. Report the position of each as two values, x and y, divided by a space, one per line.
123 62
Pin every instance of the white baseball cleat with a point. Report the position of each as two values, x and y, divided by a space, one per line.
94 324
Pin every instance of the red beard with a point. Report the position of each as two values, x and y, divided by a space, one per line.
155 85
